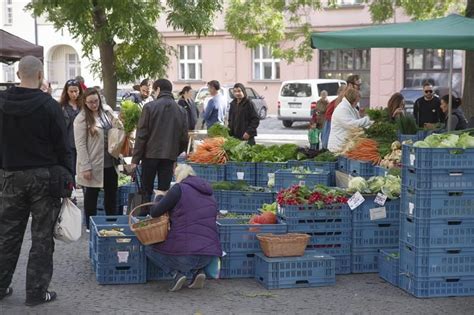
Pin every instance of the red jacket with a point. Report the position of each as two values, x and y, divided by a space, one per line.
330 110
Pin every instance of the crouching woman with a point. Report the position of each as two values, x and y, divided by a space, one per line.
193 240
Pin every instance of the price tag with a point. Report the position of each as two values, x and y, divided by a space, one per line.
122 257
302 183
411 208
356 200
378 213
412 159
380 199
240 175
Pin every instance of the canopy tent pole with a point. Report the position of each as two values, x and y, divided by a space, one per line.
450 84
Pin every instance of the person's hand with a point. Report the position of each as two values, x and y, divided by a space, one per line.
429 126
133 166
160 192
87 175
362 112
398 111
246 136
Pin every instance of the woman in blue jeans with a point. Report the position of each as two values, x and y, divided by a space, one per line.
193 240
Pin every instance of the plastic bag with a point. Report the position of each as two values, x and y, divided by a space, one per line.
68 226
116 139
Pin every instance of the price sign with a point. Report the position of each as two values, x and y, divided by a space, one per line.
122 257
412 159
378 213
411 207
380 199
356 200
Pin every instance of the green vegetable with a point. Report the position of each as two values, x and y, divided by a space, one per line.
378 115
395 172
218 130
389 185
124 179
466 141
239 185
130 114
421 144
376 183
407 125
272 207
358 184
326 157
382 132
392 187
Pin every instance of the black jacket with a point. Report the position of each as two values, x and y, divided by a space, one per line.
427 111
191 110
33 132
162 131
243 118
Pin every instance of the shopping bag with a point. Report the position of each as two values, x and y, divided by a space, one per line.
214 268
69 223
116 138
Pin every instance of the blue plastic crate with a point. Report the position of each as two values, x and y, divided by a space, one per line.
437 179
286 178
388 263
443 204
361 214
343 164
237 237
437 158
248 168
343 263
124 191
121 274
364 260
263 169
311 270
414 138
424 287
333 224
375 235
333 211
380 171
237 265
360 168
209 172
244 201
442 233
154 273
444 262
331 167
335 242
96 223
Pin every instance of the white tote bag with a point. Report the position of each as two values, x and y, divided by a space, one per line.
68 227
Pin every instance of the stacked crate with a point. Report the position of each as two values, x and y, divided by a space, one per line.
243 201
246 171
370 234
264 171
437 222
209 172
288 178
239 242
329 228
330 167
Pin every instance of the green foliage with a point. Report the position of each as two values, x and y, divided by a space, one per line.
382 131
218 130
407 125
378 115
130 114
326 156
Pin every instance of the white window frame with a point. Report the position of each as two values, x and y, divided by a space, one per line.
73 66
8 73
261 61
197 62
8 12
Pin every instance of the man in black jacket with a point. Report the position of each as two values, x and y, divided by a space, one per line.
32 139
427 109
243 118
162 134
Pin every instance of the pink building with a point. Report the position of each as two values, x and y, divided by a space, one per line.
383 71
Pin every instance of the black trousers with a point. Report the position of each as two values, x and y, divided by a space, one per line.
24 193
91 195
153 167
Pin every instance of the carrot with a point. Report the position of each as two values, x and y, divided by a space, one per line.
210 151
365 150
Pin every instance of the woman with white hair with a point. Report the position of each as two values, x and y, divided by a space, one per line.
193 240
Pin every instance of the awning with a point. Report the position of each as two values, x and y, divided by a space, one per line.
13 48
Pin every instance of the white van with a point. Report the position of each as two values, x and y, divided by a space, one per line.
298 97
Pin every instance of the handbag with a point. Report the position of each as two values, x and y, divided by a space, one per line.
139 197
116 139
68 225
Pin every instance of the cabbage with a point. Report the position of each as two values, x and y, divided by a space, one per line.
448 141
392 186
421 144
375 184
465 141
357 184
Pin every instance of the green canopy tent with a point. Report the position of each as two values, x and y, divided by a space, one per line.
451 32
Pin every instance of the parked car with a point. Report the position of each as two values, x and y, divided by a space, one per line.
298 97
202 97
411 94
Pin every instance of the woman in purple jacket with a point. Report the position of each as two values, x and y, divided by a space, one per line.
193 240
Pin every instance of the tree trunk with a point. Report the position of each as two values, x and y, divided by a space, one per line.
107 56
468 93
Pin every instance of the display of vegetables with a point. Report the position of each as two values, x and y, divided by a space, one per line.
394 158
111 232
320 196
382 132
238 186
210 151
378 114
365 150
305 170
464 140
272 207
326 156
267 217
129 114
388 185
218 130
124 179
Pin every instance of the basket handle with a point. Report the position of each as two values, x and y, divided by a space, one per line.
130 215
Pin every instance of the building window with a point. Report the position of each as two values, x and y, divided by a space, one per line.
432 65
8 12
9 73
339 64
73 66
265 67
190 62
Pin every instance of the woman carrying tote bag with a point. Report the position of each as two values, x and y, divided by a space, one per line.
96 168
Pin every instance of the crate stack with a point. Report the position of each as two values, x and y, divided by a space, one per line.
209 172
437 222
243 202
288 178
330 167
239 242
330 230
370 234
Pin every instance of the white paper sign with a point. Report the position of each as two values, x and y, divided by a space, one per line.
380 199
411 207
240 175
378 213
302 183
412 159
356 200
122 257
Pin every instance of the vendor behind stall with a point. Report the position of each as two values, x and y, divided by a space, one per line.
193 240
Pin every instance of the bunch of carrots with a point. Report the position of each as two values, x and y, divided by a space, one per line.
365 150
210 151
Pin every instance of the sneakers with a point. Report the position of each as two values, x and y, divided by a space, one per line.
49 296
198 280
8 291
178 281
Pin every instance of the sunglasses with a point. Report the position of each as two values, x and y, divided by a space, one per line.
72 82
428 91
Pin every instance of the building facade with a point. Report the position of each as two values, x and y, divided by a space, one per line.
220 57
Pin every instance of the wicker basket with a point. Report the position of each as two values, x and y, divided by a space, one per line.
155 230
283 245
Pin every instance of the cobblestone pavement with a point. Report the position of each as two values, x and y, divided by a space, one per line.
79 293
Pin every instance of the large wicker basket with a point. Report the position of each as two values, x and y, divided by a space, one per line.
149 231
283 245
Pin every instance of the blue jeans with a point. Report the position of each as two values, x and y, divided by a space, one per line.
325 134
183 264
